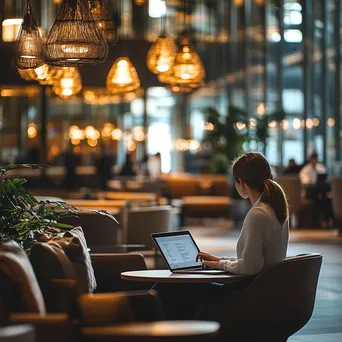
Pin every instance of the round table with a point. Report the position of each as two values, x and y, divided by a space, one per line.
165 276
155 331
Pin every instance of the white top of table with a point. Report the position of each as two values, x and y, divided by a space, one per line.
162 329
165 276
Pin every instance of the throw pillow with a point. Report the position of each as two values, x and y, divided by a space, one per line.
75 247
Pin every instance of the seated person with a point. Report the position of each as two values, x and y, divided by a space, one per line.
308 174
292 168
313 176
264 236
263 241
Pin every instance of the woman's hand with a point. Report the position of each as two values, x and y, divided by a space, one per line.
206 257
211 264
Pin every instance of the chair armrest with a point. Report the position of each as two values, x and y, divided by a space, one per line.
49 327
110 308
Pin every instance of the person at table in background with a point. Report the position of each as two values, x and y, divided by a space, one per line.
313 177
104 166
292 168
265 232
70 163
308 174
143 166
154 166
128 168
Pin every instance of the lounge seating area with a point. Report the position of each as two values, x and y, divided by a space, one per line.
59 309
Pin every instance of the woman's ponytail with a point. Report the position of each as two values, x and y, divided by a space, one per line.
275 196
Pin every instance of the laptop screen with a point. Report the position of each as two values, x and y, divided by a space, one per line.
178 249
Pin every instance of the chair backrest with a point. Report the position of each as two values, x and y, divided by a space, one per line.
99 230
292 187
142 222
280 300
336 187
108 268
19 288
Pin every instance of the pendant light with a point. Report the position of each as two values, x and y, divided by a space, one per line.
74 39
162 53
187 66
103 20
187 72
47 74
28 48
122 77
69 84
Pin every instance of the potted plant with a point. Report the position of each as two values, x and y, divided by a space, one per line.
226 139
22 217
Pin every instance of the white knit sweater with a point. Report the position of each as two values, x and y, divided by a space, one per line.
262 242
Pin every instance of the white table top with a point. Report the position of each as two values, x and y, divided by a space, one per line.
165 276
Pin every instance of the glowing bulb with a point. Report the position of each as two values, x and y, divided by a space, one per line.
32 131
10 29
309 123
116 134
272 124
92 142
240 126
122 77
75 141
296 123
285 125
331 122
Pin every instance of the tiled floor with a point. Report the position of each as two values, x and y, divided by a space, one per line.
326 322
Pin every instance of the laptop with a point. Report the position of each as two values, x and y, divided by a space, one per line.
179 251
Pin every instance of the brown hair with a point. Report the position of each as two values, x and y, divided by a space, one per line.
254 169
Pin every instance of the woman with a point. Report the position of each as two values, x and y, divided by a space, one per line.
263 241
265 232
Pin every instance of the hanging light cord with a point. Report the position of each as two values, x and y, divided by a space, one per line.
28 7
163 22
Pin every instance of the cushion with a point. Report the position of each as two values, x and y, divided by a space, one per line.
15 264
75 247
55 274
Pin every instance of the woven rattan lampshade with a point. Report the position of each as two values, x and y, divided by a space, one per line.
187 66
47 74
187 72
161 55
28 48
69 84
103 21
122 77
74 39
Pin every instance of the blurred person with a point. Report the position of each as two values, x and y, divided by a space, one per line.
308 174
292 168
33 155
70 163
104 166
128 168
154 166
143 166
314 177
